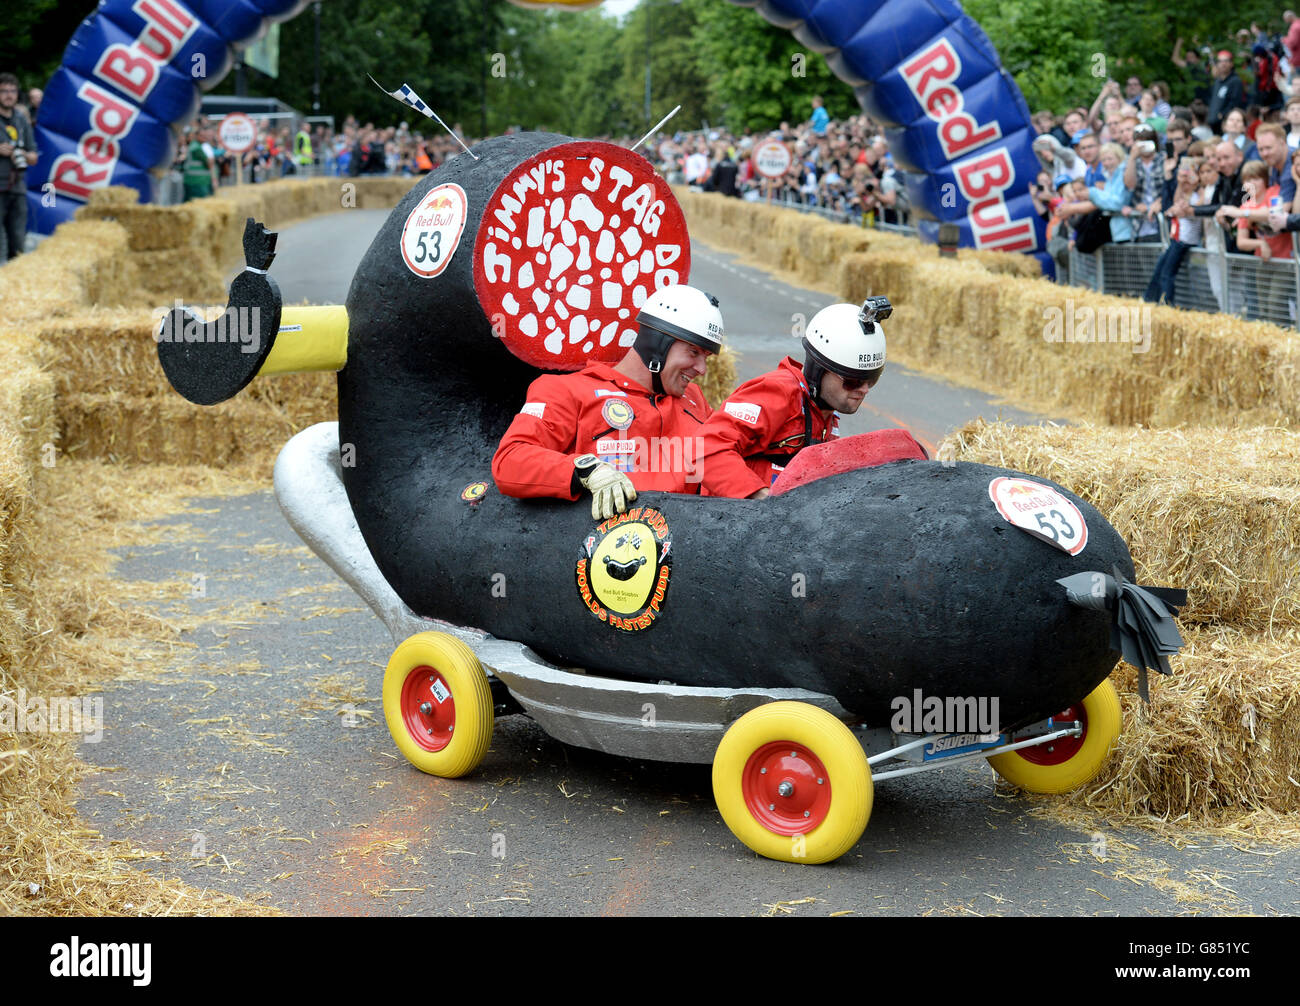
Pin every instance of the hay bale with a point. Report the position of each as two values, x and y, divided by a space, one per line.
1212 510
719 381
988 318
83 262
149 228
104 351
169 430
1220 737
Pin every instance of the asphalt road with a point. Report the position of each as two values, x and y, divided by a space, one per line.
259 763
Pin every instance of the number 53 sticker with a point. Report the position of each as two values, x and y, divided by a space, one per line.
1041 511
433 230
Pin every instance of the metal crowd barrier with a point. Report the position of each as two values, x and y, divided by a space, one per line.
849 217
1215 281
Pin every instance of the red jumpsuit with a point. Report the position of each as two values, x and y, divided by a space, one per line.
765 423
653 438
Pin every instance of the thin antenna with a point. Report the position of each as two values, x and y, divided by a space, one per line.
406 96
652 132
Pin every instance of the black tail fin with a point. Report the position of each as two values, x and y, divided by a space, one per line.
1142 626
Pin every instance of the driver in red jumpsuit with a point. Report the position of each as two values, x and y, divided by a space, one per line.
616 430
767 421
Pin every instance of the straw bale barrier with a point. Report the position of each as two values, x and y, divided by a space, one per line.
1215 511
208 233
985 318
1220 737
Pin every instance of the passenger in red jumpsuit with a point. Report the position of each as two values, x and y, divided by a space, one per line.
767 421
616 430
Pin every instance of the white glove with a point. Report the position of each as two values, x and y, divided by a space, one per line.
611 491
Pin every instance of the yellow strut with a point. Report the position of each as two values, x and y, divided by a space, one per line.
310 338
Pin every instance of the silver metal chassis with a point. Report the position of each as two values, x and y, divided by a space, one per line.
658 722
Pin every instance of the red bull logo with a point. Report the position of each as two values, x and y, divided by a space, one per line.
134 70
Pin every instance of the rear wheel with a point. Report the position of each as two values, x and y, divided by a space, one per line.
1067 763
438 704
792 782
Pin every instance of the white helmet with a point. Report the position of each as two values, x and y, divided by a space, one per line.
842 340
676 313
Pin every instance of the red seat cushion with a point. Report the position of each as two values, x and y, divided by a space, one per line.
843 455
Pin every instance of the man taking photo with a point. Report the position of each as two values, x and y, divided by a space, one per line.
17 153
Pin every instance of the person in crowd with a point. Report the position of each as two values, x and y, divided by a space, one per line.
199 171
1128 125
1160 92
1280 184
1265 91
1110 195
1291 116
723 178
1234 131
1113 196
1056 159
1184 233
1272 286
1177 149
1132 89
17 153
1147 111
1106 105
1194 71
1278 219
1227 189
820 117
1227 91
1087 147
1200 111
1144 175
696 168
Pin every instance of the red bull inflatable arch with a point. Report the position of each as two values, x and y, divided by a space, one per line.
956 122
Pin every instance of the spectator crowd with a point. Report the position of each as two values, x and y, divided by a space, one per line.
1218 171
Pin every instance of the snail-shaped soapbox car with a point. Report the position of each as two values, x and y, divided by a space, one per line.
774 638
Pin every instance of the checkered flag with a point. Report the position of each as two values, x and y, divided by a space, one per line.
406 96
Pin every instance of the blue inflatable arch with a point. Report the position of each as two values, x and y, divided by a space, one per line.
133 70
956 123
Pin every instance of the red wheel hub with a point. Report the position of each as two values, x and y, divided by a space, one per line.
428 708
786 788
1061 750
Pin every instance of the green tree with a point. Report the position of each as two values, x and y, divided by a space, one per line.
1050 49
753 67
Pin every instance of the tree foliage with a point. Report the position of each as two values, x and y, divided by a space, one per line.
489 64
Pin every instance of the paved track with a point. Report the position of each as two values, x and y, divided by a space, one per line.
260 763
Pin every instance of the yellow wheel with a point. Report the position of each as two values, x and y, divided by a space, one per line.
438 704
792 783
1070 762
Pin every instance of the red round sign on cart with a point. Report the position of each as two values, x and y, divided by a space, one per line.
571 244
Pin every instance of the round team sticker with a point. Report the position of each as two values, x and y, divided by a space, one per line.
617 413
1041 511
433 230
623 569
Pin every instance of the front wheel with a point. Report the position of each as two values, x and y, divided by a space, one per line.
438 704
1069 762
792 782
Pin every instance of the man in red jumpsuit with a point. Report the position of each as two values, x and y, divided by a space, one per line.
767 421
616 430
